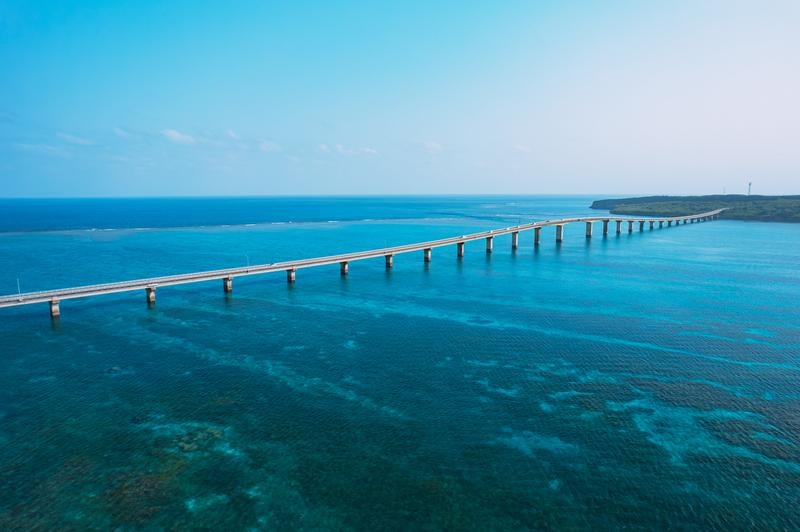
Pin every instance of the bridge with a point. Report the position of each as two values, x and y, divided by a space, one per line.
54 297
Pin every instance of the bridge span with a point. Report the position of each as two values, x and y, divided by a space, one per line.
54 297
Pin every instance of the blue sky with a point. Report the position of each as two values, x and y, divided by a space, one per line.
216 98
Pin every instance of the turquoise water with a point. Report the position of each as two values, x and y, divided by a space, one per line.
646 380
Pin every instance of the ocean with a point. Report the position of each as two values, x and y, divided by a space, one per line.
645 380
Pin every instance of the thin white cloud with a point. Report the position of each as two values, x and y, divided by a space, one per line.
341 149
44 149
123 133
73 139
232 134
522 148
177 137
269 146
433 147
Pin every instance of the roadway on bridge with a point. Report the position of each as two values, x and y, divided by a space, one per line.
229 273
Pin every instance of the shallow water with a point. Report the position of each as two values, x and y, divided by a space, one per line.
646 380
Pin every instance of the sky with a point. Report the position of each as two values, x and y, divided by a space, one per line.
149 98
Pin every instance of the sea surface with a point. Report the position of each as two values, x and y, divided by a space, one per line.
640 381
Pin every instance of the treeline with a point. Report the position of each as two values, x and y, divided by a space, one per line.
738 206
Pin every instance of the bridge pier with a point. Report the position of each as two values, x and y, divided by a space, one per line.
489 244
150 294
515 240
630 226
227 285
291 275
652 223
55 309
660 224
588 229
641 226
619 226
426 254
389 261
344 267
537 235
559 233
605 227
669 223
460 249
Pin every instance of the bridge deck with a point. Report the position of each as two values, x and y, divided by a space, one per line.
153 282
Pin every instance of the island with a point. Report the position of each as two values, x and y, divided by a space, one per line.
738 206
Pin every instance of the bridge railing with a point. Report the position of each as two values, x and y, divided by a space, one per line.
229 273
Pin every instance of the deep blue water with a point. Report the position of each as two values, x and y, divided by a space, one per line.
642 381
42 214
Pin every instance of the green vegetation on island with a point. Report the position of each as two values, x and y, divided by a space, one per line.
738 206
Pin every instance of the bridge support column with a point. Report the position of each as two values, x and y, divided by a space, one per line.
291 275
619 226
559 233
669 223
588 229
489 244
515 240
55 309
641 226
630 226
227 285
344 267
426 254
389 261
605 227
660 224
537 235
460 249
651 225
150 293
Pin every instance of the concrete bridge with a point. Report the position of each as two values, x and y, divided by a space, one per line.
149 286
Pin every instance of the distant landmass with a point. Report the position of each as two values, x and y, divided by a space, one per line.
738 207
